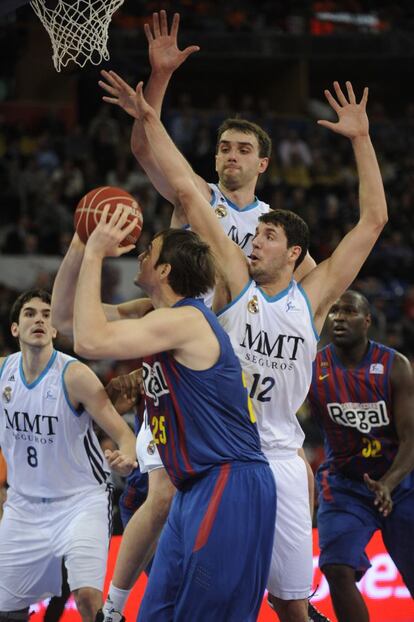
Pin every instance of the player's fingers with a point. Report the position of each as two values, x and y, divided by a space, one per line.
129 389
123 250
121 383
111 100
341 97
105 74
190 50
364 99
120 82
139 90
156 25
385 506
125 225
148 33
163 23
116 384
108 88
104 216
328 124
115 216
332 101
350 91
175 24
123 217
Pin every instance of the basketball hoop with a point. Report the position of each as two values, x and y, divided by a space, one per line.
78 29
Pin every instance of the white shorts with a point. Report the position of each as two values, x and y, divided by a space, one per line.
291 568
36 534
147 451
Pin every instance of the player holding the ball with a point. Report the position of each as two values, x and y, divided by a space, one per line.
90 207
199 413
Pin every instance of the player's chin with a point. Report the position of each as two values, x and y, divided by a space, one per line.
255 271
39 340
341 339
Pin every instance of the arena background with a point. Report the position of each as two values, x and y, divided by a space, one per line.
264 60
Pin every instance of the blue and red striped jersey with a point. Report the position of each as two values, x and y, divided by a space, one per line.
199 419
354 410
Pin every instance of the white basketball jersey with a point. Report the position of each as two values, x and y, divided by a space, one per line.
239 224
50 449
275 340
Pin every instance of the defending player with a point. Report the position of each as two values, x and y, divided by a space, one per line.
362 396
198 412
58 501
273 321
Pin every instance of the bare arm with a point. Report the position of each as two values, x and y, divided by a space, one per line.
64 288
332 277
182 330
402 385
165 59
231 260
84 388
307 265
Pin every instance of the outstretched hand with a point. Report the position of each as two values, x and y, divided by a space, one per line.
164 55
382 494
120 93
123 95
106 238
352 117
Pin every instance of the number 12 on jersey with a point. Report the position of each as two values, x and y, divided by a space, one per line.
261 388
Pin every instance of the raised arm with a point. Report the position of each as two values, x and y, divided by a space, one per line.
333 276
231 260
402 385
161 330
84 388
165 59
64 288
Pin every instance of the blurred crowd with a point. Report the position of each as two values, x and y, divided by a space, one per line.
321 17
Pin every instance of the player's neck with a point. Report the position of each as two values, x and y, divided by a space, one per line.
242 197
165 297
34 361
351 357
276 285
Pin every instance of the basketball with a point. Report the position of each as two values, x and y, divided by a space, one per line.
89 209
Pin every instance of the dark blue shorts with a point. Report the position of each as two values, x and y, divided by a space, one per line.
348 518
133 495
213 557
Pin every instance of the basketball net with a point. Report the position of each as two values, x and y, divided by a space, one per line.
78 29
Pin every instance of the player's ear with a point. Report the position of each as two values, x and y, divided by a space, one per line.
14 329
294 252
263 164
368 320
165 270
